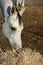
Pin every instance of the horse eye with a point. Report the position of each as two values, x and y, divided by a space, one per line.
12 10
13 28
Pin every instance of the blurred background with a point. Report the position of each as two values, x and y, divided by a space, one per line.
34 1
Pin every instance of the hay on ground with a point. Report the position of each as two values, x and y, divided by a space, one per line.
21 57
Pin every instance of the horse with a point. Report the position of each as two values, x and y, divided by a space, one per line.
12 22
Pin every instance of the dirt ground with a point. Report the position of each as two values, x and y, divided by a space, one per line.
32 35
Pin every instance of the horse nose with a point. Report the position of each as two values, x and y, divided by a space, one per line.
17 46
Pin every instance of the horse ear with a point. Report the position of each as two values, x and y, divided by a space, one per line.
23 3
22 10
21 6
20 2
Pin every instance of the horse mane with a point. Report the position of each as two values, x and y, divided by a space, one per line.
19 17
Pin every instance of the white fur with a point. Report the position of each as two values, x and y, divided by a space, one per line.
14 37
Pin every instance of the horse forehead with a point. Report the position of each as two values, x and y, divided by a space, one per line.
14 23
13 17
